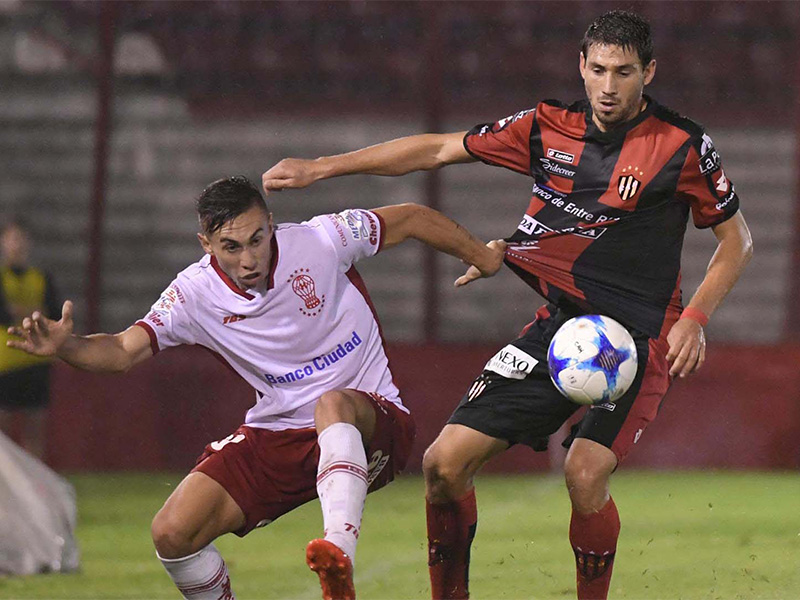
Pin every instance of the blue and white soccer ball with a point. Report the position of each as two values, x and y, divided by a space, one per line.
592 359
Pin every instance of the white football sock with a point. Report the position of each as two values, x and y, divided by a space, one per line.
342 484
200 576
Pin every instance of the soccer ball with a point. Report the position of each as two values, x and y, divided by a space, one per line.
592 359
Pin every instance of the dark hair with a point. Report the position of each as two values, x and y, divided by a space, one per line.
226 199
621 28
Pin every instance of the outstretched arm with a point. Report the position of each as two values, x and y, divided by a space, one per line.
687 343
102 352
431 227
396 157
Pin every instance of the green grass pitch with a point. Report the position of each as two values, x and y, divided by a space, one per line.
684 535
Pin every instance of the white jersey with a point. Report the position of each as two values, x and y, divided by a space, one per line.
311 331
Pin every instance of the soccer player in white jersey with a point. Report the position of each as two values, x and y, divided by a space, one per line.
284 306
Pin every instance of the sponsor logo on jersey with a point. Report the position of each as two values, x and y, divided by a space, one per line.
589 232
512 363
503 123
628 183
727 199
706 144
338 221
531 226
303 285
547 194
232 319
561 156
709 158
169 297
554 168
362 225
721 183
319 363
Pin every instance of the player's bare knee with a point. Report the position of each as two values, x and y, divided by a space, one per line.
170 539
587 485
444 476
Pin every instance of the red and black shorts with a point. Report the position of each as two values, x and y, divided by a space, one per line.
528 409
269 473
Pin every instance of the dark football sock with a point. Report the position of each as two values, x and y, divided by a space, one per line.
451 528
594 540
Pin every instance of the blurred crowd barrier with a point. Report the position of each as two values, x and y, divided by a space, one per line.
739 412
203 90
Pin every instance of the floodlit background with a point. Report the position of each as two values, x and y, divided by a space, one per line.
115 115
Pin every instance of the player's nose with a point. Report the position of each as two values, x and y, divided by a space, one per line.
247 260
609 85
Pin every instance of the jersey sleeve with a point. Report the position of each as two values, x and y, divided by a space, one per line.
505 143
169 323
354 233
704 184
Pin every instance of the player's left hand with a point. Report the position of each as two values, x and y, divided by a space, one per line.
687 347
492 264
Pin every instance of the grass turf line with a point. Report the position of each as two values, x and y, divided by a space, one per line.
684 535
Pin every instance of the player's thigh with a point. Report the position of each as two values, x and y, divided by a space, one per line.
459 452
267 473
346 406
197 512
389 447
619 426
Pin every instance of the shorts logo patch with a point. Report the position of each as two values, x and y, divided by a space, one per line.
477 388
376 465
609 406
512 363
231 439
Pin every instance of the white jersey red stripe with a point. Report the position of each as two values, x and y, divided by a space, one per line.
312 330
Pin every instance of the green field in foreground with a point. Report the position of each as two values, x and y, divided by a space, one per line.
684 535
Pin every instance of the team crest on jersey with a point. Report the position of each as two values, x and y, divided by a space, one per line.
628 183
303 285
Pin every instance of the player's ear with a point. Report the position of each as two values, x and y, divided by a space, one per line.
270 223
582 65
205 243
650 72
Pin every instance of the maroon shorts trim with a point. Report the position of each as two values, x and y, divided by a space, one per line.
655 384
270 473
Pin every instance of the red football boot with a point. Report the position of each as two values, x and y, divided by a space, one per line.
335 570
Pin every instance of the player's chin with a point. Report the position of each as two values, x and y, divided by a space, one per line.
251 281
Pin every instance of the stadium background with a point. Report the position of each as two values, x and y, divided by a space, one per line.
114 115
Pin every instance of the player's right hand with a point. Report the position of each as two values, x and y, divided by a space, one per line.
497 251
41 336
289 173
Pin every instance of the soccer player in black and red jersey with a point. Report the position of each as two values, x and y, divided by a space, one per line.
615 178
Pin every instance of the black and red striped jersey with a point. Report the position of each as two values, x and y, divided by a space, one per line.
605 225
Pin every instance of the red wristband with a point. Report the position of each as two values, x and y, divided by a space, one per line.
695 314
